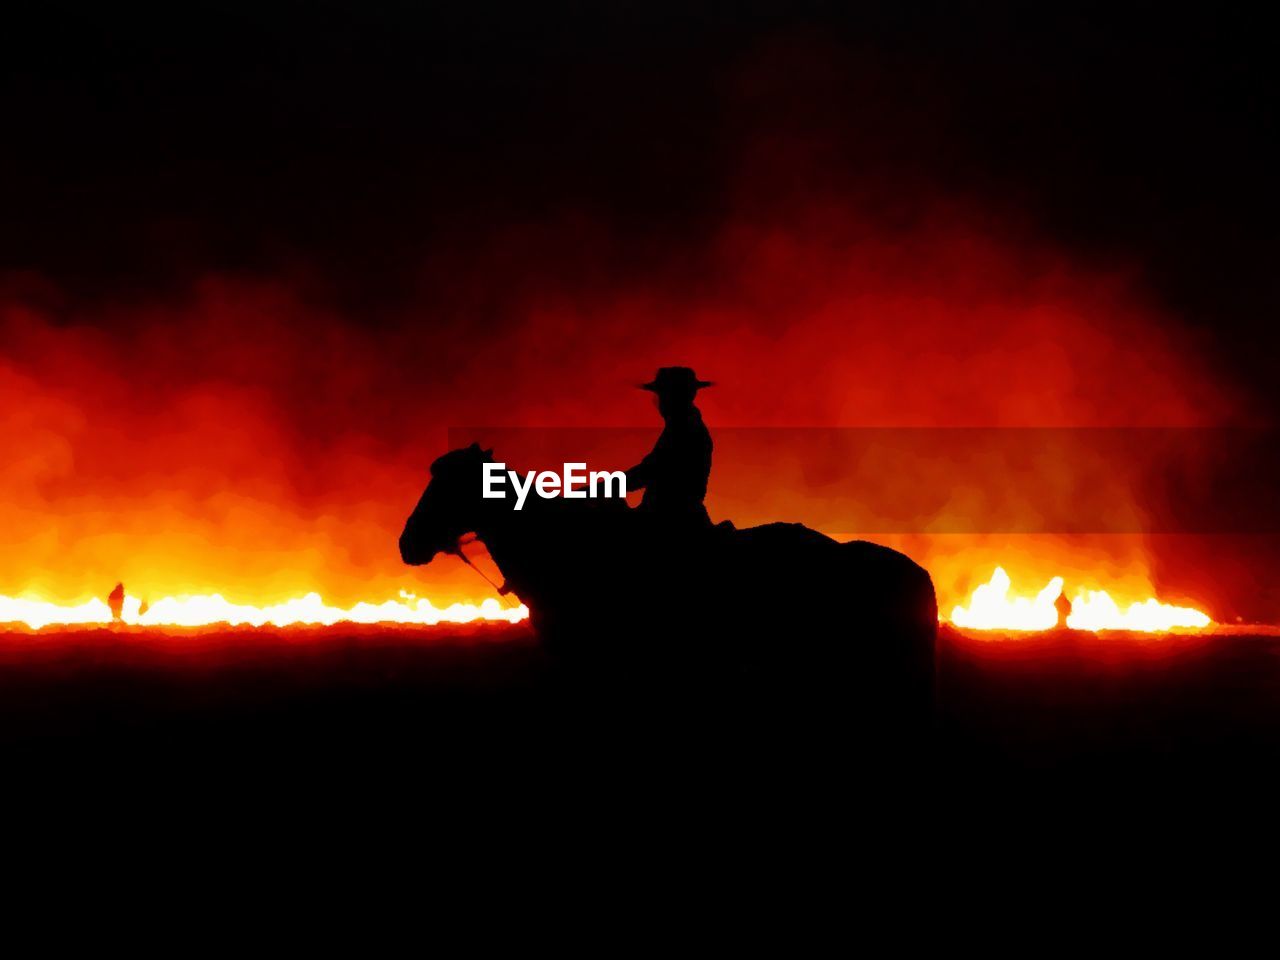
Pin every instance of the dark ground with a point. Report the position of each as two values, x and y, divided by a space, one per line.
1055 704
462 734
327 768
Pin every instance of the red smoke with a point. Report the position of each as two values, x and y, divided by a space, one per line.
254 439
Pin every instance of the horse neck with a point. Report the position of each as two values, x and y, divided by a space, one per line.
547 553
514 540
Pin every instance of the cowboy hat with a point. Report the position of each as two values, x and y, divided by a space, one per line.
675 378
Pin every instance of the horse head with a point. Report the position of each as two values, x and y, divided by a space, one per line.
448 509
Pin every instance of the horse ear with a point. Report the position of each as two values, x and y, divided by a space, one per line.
488 454
474 448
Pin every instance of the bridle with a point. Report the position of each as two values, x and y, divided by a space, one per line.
457 551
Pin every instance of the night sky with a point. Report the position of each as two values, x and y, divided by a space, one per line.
351 143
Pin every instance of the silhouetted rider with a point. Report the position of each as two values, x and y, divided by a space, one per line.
674 474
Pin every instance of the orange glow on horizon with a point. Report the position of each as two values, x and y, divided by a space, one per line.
993 605
207 610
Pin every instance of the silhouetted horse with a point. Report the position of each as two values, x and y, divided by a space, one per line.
606 591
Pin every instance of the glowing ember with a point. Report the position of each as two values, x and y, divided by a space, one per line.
992 608
205 610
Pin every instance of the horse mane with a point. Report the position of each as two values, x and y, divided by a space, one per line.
454 460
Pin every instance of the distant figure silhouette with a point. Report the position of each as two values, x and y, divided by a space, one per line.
1063 606
674 475
115 600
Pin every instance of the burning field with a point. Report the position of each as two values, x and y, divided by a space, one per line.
958 296
240 463
992 607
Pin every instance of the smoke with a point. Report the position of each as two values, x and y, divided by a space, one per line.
226 365
248 439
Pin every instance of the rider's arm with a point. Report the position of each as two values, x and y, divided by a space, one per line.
638 476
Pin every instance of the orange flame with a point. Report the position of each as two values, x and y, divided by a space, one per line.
992 608
197 611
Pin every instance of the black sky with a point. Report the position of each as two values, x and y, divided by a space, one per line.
351 143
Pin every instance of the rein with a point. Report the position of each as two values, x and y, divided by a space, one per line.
503 590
